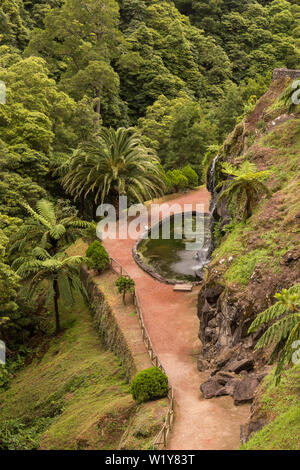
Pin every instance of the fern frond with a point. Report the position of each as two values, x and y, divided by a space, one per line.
271 313
278 331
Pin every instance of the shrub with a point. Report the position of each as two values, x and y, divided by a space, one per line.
191 176
97 256
149 384
176 180
125 284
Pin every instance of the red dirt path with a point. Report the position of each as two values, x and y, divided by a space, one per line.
171 320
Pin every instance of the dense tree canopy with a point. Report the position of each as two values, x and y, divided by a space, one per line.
177 73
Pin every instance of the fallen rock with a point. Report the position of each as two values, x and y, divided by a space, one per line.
210 388
244 390
224 377
224 357
238 366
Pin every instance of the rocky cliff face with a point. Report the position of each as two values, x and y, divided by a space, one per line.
255 259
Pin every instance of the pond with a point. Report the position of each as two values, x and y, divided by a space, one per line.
178 257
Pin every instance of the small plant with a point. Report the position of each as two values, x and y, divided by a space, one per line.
284 329
149 384
97 256
261 124
125 284
248 108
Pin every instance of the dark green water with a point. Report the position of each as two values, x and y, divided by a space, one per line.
170 257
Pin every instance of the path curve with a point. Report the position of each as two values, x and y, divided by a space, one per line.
171 320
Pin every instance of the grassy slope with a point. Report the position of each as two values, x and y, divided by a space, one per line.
272 230
259 245
281 405
76 397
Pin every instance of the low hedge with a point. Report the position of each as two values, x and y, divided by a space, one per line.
149 384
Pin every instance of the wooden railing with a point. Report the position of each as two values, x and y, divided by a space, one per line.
161 439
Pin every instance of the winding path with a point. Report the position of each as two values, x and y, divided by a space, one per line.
171 320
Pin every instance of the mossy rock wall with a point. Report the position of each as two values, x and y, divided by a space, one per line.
107 325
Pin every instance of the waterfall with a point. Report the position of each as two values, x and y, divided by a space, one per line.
211 181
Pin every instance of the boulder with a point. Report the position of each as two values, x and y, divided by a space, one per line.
238 366
224 357
210 388
244 390
224 377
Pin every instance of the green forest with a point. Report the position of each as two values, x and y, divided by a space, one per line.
106 98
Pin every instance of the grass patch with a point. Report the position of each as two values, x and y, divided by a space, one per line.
74 397
281 403
242 268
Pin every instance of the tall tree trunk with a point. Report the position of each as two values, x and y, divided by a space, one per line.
115 201
94 210
56 297
248 206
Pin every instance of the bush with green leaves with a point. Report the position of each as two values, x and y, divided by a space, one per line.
149 384
176 181
125 284
191 176
97 256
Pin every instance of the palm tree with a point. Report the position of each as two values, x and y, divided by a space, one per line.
245 187
284 329
47 228
57 275
115 164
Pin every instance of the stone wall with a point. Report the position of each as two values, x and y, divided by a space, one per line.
279 73
107 326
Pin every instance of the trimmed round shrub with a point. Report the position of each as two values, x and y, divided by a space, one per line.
97 256
191 176
149 384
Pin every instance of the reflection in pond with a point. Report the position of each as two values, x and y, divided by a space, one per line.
170 257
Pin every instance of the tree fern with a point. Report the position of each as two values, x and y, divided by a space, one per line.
58 275
284 330
47 228
244 188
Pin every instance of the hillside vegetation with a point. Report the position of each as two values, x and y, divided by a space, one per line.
256 258
106 98
74 395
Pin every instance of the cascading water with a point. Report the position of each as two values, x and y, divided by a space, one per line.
211 182
211 186
169 257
